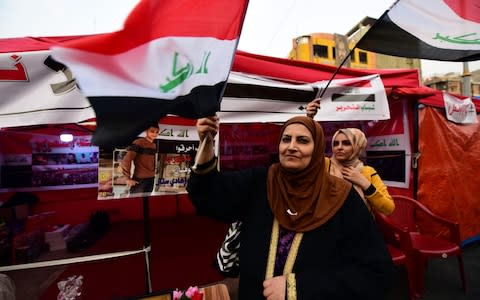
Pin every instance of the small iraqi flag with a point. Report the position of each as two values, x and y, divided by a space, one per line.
171 57
447 30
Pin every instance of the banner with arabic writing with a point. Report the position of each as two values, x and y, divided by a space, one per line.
176 149
389 146
461 111
251 98
37 90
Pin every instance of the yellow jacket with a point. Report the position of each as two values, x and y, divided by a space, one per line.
380 200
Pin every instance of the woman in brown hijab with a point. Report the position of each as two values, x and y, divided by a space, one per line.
305 233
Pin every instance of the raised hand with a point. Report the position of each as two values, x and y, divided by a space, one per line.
207 126
312 107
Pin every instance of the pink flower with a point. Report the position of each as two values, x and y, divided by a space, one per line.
191 291
177 294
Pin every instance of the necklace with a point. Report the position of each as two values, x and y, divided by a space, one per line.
290 212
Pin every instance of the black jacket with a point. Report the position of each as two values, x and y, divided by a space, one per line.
345 258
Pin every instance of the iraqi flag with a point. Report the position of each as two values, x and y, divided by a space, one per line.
447 30
171 57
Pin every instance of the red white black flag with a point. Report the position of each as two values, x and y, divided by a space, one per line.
447 30
171 57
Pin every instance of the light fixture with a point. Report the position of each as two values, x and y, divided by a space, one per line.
66 137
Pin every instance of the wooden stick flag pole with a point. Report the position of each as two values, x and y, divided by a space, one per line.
201 149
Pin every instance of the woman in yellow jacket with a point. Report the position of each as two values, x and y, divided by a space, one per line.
347 146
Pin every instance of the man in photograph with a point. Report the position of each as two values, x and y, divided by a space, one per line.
141 153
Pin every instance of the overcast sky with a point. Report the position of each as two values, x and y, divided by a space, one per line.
269 27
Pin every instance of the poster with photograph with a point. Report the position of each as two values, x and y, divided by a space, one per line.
105 182
38 162
173 171
176 147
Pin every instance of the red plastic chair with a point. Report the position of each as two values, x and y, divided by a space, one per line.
400 248
424 243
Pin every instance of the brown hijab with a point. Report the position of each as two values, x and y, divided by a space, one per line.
313 194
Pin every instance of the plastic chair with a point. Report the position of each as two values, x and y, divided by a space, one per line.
425 244
400 248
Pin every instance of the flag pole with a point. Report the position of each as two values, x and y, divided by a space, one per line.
322 91
208 137
147 242
200 150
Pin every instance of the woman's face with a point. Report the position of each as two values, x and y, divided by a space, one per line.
342 148
296 147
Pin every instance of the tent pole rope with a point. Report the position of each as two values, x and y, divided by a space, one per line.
415 148
146 242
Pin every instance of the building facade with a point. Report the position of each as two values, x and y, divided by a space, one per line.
322 48
453 83
330 49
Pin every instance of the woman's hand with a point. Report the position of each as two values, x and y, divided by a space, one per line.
353 175
274 288
207 126
313 107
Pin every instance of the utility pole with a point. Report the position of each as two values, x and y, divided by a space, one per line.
466 84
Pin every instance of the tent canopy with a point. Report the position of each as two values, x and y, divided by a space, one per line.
400 85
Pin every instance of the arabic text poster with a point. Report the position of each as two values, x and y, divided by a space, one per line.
174 172
176 150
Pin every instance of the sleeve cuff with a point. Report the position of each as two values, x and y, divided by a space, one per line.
206 167
370 190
